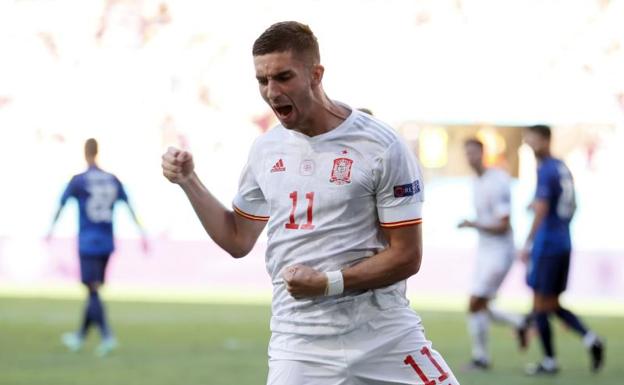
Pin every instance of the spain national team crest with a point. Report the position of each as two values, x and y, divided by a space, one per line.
341 172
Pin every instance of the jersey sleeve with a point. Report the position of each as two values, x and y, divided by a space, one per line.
544 188
400 189
502 205
70 190
121 191
249 201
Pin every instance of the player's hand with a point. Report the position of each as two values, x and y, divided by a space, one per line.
303 281
177 165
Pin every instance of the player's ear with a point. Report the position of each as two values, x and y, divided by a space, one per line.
317 74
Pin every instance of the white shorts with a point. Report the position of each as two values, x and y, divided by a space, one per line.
490 270
390 349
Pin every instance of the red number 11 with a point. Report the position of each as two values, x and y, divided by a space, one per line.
409 360
291 223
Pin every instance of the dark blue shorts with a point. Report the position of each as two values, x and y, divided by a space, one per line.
549 275
93 269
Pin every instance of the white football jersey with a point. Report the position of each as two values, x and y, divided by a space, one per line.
325 199
492 200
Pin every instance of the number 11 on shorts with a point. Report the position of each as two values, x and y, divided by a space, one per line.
409 360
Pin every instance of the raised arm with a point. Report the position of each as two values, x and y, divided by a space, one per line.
232 232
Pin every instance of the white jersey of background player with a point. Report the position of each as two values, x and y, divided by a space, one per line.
495 254
342 196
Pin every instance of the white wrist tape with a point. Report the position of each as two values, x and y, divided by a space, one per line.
335 283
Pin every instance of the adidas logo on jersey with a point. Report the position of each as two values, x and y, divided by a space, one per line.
278 166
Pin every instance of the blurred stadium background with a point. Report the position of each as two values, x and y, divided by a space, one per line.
140 75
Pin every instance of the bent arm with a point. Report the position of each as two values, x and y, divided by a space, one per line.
232 232
501 227
399 261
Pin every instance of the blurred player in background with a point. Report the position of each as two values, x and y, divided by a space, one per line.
495 255
547 252
96 191
342 195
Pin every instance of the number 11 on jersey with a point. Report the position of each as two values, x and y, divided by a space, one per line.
292 225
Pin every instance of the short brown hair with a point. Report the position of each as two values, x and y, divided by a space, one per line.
474 142
91 147
541 130
288 36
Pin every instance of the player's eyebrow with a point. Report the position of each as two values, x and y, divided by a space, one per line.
279 75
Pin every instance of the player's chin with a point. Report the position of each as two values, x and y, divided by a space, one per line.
290 124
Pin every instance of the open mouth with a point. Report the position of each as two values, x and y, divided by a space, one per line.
283 111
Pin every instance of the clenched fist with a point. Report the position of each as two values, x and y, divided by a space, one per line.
177 165
303 281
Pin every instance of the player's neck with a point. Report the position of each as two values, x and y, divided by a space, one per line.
325 116
543 155
91 162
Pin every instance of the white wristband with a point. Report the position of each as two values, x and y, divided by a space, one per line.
335 283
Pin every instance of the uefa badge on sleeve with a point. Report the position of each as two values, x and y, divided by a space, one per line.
341 172
407 190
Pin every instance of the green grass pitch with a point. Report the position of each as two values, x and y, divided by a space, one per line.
209 344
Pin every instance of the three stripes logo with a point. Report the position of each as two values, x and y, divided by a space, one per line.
278 166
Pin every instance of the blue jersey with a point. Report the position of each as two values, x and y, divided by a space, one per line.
96 192
556 186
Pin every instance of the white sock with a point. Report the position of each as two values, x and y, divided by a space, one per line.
478 325
589 339
504 317
549 363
